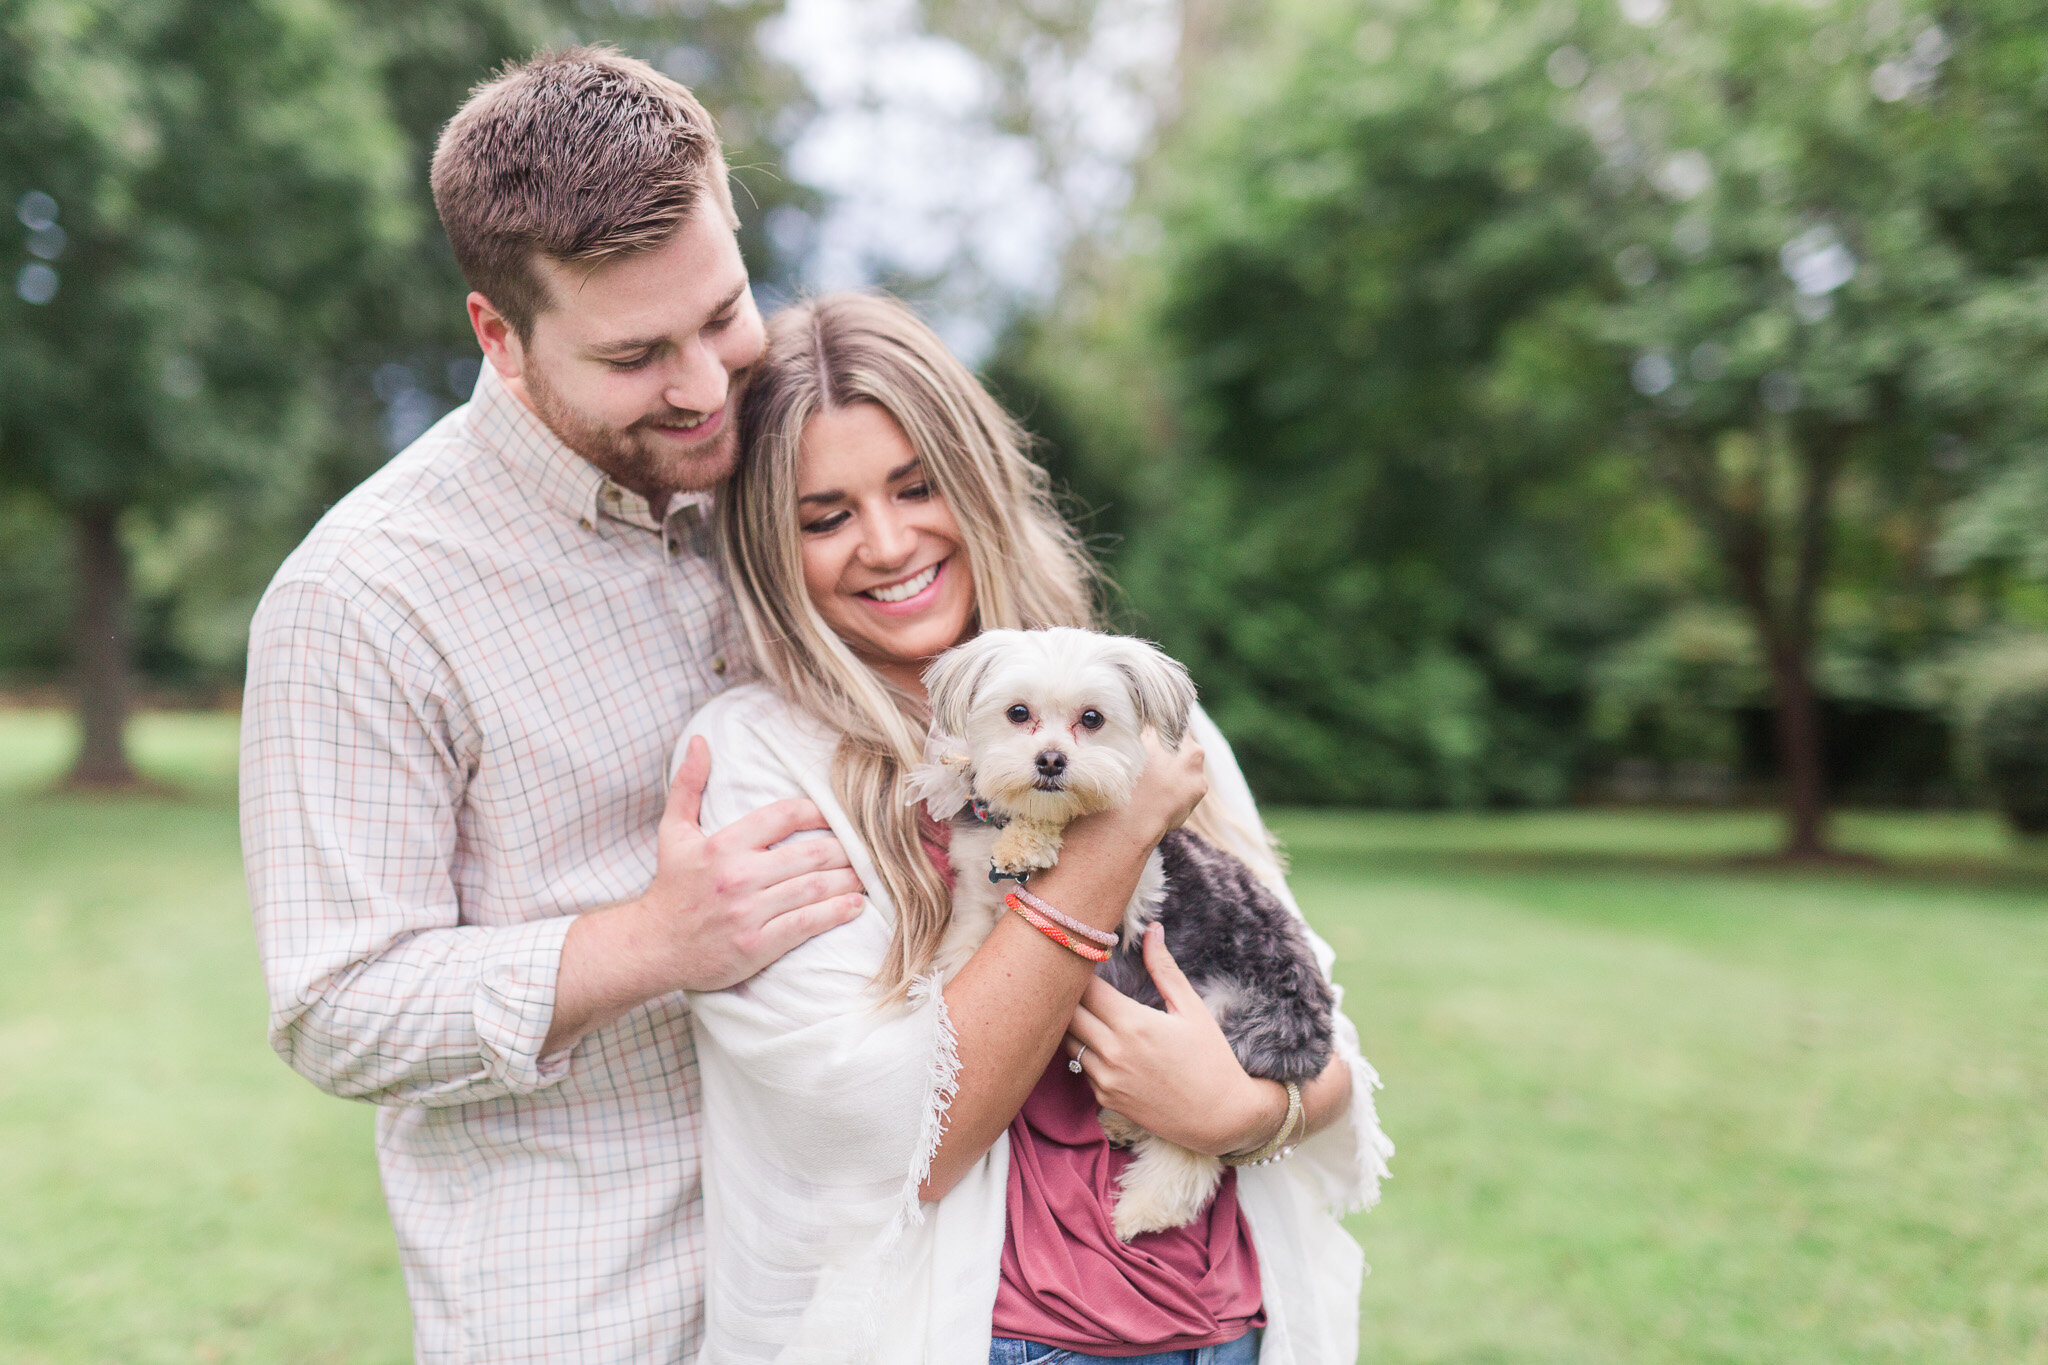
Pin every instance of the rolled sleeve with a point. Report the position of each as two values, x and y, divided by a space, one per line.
352 778
515 1004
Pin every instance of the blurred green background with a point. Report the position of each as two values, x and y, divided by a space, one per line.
1593 455
1497 403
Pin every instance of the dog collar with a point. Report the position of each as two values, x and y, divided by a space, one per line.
978 808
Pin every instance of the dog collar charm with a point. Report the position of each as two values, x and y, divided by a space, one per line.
978 808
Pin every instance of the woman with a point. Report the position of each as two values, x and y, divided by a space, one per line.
898 1172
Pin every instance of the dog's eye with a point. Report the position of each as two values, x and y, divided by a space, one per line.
1019 713
1091 719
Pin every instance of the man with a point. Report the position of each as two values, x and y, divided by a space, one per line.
463 690
472 906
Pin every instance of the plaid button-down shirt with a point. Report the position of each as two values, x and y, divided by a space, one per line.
463 691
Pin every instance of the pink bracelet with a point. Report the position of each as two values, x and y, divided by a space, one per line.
1054 932
1101 937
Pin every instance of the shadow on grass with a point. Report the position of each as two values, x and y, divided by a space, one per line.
2022 873
94 792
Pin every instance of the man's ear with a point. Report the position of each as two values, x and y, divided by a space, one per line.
497 336
956 675
1161 688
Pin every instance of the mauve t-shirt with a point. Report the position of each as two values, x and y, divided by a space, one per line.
1067 1280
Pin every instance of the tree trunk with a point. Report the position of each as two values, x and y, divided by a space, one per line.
99 636
1799 752
1786 618
1799 745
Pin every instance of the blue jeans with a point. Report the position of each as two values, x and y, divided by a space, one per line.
1011 1351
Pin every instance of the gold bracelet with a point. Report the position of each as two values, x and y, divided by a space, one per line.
1275 1147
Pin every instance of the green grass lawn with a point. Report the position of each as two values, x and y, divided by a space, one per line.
1653 1104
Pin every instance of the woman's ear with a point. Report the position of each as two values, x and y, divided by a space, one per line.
955 676
1161 688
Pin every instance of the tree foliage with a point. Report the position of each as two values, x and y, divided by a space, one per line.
197 186
1355 523
1454 306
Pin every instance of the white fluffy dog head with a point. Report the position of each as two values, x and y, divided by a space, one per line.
1050 722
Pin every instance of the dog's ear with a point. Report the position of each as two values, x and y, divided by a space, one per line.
955 677
1164 693
940 782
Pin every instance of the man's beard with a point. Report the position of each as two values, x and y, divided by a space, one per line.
637 457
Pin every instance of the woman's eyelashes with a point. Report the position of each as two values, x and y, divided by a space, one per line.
832 521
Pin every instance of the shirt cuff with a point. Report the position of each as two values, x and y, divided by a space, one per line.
515 1004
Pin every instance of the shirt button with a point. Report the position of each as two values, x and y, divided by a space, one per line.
586 523
718 665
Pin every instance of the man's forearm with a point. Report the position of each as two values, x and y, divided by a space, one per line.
613 961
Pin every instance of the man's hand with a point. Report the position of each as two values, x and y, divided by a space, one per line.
1171 1071
730 903
720 908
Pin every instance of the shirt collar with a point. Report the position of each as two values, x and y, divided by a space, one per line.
564 480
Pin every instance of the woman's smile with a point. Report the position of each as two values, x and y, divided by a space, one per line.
908 596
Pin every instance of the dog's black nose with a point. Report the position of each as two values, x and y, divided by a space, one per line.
1051 763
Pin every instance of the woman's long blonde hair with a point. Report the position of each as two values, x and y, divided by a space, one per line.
1028 568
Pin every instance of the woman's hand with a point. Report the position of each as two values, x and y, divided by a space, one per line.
1171 1071
1172 784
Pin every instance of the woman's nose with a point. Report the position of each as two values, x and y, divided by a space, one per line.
889 541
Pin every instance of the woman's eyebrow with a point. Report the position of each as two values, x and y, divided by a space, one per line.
835 495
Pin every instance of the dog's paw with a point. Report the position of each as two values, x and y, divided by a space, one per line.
1164 1186
1025 847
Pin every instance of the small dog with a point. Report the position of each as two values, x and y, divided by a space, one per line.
1031 729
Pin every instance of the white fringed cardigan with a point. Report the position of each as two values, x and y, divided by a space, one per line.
822 1108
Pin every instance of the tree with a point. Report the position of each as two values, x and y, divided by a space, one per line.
1437 284
198 185
1803 207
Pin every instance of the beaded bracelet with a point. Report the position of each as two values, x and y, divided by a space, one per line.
1275 1147
1100 937
1054 932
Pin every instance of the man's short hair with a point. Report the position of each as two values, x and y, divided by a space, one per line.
578 155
